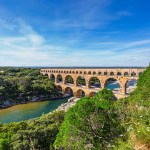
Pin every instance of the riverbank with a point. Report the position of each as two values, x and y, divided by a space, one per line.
71 102
29 111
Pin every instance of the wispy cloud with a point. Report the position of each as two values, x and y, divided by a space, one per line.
80 34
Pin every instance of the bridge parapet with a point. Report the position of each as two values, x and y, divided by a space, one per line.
96 71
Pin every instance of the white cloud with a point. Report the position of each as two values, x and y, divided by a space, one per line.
29 48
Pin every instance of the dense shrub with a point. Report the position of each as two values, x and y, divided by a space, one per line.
91 123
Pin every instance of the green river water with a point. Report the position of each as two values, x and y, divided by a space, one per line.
28 111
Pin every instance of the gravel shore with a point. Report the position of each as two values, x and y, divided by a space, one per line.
71 102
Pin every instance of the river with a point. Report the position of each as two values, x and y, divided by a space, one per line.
29 110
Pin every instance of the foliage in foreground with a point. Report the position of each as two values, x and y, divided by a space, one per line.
92 123
37 133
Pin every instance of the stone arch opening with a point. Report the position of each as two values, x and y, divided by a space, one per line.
68 91
84 72
81 81
112 84
46 75
69 80
59 78
94 73
52 78
119 74
80 93
91 94
133 74
94 82
126 74
89 72
130 85
112 74
105 73
59 88
99 73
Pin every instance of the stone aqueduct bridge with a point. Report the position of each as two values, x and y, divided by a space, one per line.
122 75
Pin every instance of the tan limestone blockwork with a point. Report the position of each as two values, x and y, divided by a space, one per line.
122 75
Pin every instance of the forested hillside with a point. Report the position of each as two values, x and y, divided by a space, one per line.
20 85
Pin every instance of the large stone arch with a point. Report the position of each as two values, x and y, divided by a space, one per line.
68 91
69 79
91 94
130 85
46 74
79 93
52 77
59 78
113 84
81 81
94 82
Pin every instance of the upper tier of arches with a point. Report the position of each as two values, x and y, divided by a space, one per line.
92 72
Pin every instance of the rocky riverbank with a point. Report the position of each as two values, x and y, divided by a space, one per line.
71 102
8 103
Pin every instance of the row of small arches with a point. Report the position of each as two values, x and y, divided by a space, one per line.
94 73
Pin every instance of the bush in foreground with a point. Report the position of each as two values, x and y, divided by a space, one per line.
91 124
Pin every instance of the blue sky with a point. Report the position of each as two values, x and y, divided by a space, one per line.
74 32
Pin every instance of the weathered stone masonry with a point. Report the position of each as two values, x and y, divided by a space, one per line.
122 75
